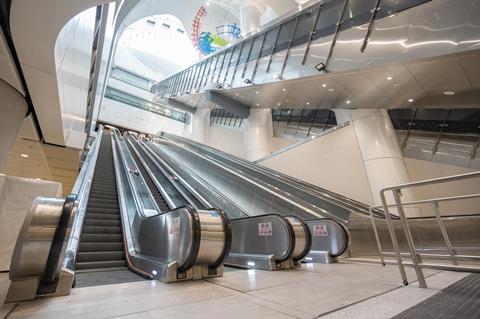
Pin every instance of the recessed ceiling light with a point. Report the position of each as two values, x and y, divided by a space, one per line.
258 104
279 104
331 90
24 155
449 93
308 103
410 100
236 94
284 90
324 85
348 102
395 84
256 92
389 78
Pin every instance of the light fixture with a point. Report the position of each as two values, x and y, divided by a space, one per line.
251 263
348 101
449 93
410 100
258 104
324 85
256 92
24 155
389 78
320 67
308 103
236 94
284 89
331 90
308 258
279 104
154 272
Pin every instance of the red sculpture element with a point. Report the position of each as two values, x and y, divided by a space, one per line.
197 22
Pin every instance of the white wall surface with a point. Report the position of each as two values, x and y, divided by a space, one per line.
126 116
228 140
333 161
16 197
423 170
73 59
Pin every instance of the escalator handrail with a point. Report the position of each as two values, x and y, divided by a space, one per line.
133 185
227 228
81 190
198 179
160 188
279 193
338 199
48 279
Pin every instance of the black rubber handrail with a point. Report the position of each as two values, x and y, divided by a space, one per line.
48 282
227 228
197 235
309 237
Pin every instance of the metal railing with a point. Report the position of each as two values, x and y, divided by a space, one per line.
245 61
413 253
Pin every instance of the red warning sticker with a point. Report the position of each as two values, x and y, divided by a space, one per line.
265 229
320 230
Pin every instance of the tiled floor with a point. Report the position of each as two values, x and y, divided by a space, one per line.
337 291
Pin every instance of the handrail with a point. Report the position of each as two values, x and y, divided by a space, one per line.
414 255
167 198
276 193
337 199
82 191
200 180
48 280
139 200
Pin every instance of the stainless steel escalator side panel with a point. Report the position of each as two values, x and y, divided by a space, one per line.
201 186
463 232
262 242
166 246
303 238
35 238
329 240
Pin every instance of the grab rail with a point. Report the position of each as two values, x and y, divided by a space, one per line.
82 191
413 254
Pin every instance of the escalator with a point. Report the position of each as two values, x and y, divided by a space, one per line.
114 228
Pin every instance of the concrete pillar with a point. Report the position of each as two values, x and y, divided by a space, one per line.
381 153
200 125
250 14
13 109
258 134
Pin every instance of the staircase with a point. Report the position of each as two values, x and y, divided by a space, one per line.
101 242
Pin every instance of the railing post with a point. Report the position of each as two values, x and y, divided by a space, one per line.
377 238
451 251
416 259
393 236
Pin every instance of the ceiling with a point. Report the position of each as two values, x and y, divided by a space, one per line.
426 83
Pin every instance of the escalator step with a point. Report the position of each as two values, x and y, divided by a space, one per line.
90 215
101 246
100 264
103 204
100 256
101 222
102 210
101 230
100 237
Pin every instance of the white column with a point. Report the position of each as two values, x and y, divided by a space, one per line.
381 153
200 125
258 134
14 108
